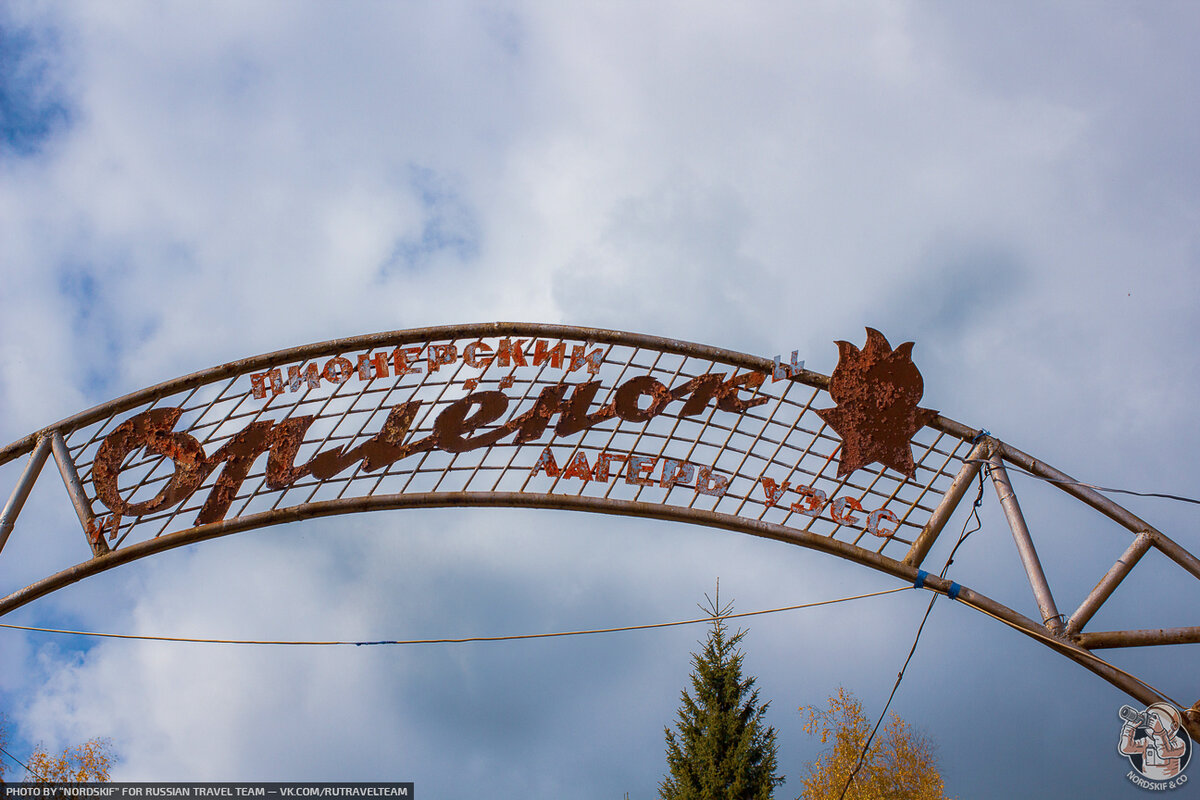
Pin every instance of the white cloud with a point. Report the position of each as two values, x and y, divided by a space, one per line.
1001 188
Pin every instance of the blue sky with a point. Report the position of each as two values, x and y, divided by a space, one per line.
32 107
1012 187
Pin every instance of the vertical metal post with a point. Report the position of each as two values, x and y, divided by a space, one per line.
15 503
941 514
1029 557
1108 584
66 468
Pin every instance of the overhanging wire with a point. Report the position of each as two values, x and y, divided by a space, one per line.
462 640
1092 486
900 675
23 764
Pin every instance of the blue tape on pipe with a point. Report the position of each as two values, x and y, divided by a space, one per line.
921 576
954 590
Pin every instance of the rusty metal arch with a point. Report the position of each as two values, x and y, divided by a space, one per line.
732 457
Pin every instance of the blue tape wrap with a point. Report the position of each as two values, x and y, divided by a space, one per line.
954 590
921 576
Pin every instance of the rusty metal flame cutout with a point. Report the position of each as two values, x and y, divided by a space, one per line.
568 418
876 390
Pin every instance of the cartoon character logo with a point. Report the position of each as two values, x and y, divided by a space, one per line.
1156 743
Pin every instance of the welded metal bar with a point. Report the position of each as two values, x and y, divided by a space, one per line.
641 434
797 468
1029 557
238 371
937 473
737 471
670 435
458 368
326 508
904 572
1104 505
916 503
616 429
1141 638
870 489
708 422
1073 487
527 395
779 403
436 333
945 509
841 482
1174 551
931 448
1124 681
66 468
17 500
1108 584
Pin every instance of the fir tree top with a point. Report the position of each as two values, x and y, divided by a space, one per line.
721 748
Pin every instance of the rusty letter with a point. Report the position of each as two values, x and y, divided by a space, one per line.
151 430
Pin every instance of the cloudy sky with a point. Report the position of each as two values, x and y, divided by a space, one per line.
1015 187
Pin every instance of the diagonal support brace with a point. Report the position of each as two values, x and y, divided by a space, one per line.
17 501
941 514
83 508
1029 556
1109 583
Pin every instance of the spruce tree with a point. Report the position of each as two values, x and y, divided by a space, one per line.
721 749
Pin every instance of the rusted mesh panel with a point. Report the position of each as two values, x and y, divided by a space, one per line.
645 425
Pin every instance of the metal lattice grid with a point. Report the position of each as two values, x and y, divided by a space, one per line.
783 440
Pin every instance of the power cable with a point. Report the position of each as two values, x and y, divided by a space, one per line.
1058 645
23 764
1094 487
1065 648
462 640
900 675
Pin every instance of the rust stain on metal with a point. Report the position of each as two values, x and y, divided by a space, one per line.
876 390
626 401
96 528
151 430
464 425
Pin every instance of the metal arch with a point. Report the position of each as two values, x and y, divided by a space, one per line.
744 432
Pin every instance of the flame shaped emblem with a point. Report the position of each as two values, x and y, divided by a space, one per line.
876 390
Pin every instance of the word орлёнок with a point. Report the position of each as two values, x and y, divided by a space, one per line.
456 429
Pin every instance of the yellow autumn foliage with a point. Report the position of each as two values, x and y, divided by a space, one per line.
900 764
87 763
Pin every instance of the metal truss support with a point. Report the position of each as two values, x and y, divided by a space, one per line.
941 515
66 468
223 391
17 501
1104 505
1029 556
1108 584
1142 638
